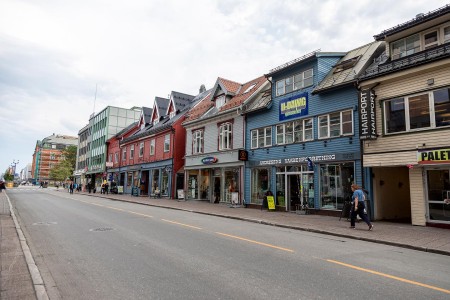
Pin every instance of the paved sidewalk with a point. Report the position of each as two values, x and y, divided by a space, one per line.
430 239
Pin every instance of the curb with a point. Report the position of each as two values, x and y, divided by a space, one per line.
38 283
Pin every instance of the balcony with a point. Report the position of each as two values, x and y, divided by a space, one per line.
410 61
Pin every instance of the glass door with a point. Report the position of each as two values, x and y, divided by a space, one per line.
308 190
438 190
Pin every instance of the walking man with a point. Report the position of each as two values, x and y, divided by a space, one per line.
358 207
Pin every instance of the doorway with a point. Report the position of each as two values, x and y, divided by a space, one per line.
300 187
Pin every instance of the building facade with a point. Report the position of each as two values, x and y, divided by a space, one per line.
215 146
407 161
47 154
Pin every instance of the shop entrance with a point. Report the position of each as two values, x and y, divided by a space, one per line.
300 191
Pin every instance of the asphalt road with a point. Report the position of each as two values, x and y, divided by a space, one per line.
93 248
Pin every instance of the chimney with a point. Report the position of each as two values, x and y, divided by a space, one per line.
202 89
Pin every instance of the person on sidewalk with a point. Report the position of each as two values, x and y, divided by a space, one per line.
358 207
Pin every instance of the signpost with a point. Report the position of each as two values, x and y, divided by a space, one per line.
271 202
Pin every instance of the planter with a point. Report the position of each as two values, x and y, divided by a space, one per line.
9 184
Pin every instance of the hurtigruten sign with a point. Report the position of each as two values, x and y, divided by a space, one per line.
367 116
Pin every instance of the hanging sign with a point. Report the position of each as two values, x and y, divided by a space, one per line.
367 117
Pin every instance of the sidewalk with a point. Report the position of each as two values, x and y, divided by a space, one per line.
429 239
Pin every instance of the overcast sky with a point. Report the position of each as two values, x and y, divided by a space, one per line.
53 53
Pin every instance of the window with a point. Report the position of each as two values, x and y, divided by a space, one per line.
167 143
423 111
261 137
430 40
124 154
260 184
152 147
220 101
197 141
172 114
52 156
132 152
294 132
446 35
438 189
406 46
141 149
110 158
116 157
225 131
336 124
335 181
295 82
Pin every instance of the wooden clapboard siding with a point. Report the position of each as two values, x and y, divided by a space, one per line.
408 83
401 158
417 194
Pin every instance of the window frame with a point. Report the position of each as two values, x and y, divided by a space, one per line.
132 152
116 157
281 84
407 117
433 44
264 137
152 147
292 133
329 125
225 138
198 141
141 149
167 143
124 154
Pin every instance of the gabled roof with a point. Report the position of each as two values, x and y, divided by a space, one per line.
201 106
159 108
179 101
350 67
243 93
228 87
146 114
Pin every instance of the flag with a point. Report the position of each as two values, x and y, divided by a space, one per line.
310 164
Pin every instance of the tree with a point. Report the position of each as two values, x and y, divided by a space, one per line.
64 169
8 176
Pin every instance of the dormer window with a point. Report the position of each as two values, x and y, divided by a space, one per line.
249 88
156 121
173 114
220 101
406 46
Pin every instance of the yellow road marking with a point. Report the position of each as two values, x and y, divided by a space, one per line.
255 242
173 222
390 276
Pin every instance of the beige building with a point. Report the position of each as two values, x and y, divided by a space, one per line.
407 161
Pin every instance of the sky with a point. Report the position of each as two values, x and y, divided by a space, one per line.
60 60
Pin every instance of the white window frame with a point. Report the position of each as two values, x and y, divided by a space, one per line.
433 44
444 41
197 141
152 147
432 114
404 53
280 131
124 154
116 157
225 136
328 125
167 142
266 137
280 85
141 149
220 101
110 157
132 152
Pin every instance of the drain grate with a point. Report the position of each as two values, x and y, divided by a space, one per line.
102 229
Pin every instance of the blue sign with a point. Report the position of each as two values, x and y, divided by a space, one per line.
293 107
209 160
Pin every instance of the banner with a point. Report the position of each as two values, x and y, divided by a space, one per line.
293 107
367 115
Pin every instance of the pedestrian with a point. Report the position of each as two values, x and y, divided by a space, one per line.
89 187
71 188
106 187
358 207
2 185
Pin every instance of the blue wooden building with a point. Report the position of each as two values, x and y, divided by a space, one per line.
303 139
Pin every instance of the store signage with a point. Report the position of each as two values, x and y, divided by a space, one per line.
293 107
109 164
242 155
209 160
270 202
367 117
433 156
297 160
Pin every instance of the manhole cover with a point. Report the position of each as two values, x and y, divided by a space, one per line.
102 229
44 223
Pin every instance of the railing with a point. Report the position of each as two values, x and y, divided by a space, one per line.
409 61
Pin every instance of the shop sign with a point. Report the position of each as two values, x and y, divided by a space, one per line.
294 160
209 160
109 164
433 156
270 202
293 107
367 117
242 155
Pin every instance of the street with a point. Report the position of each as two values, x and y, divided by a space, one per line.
93 248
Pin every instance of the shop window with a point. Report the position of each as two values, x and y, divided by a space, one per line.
155 182
129 178
335 182
438 190
231 185
164 183
260 184
192 184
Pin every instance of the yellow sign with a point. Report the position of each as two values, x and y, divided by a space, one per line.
433 156
271 202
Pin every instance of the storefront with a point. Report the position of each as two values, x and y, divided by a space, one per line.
214 178
319 182
436 170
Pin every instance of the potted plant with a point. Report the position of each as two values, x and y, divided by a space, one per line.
9 178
